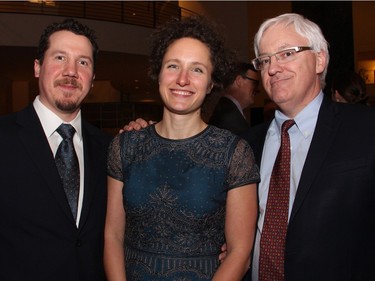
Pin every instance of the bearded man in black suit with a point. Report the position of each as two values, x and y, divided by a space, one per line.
40 239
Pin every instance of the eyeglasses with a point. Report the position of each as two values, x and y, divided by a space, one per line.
249 78
282 56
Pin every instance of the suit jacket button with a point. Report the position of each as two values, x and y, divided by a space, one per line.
78 243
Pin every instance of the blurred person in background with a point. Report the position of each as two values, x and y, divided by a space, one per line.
237 96
349 87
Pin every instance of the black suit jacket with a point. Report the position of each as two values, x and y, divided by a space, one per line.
39 239
227 116
331 231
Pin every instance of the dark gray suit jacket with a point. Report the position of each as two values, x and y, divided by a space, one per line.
227 116
331 232
39 240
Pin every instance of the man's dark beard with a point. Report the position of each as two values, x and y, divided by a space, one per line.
68 107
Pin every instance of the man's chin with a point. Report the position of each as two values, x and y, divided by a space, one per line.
67 107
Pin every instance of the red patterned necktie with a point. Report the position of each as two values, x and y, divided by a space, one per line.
272 242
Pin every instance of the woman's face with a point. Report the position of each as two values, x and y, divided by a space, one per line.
185 76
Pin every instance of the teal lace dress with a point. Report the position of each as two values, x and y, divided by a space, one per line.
174 196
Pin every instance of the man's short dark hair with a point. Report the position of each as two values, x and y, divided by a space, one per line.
69 25
240 68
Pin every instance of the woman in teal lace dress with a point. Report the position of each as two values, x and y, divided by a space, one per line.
179 189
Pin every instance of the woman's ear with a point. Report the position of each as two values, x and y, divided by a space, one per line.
210 88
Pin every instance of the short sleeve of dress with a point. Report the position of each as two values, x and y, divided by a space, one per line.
114 163
243 169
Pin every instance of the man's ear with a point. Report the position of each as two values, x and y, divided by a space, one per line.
338 97
238 81
36 68
321 62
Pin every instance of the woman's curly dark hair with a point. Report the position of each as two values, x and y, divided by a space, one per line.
196 27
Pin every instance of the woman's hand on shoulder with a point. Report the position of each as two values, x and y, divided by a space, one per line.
136 125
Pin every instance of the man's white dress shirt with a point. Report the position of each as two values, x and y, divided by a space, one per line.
300 139
50 122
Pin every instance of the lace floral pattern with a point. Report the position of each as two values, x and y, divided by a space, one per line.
174 197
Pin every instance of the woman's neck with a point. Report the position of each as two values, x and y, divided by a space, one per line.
176 127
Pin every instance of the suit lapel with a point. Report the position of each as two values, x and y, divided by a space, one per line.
36 144
256 137
92 165
325 130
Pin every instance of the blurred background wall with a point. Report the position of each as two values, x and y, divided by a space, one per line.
122 90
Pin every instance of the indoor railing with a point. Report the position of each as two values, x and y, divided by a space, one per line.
141 13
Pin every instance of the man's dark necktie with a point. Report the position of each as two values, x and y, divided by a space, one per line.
272 241
67 165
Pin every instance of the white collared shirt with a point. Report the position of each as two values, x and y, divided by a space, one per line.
50 122
300 139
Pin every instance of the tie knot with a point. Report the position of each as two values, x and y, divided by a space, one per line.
287 125
66 131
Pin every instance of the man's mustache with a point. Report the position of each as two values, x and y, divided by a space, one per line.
68 81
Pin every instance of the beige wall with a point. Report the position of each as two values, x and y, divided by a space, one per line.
258 12
114 37
240 20
364 39
232 17
20 95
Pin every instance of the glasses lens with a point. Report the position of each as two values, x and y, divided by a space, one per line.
286 55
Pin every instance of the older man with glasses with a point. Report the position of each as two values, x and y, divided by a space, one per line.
318 221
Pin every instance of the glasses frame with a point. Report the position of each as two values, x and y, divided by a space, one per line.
249 78
297 49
